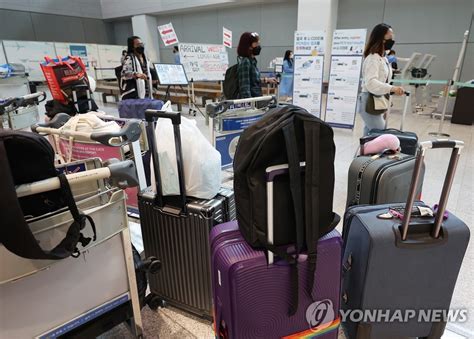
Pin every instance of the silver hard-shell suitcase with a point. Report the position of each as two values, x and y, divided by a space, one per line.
176 229
408 265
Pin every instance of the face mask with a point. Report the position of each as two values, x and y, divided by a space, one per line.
256 50
389 44
140 49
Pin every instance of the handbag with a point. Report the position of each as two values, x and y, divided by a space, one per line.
377 104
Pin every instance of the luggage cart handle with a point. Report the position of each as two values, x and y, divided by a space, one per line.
214 109
129 133
123 172
456 147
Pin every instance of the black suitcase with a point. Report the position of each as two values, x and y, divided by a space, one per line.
381 179
410 265
176 229
408 140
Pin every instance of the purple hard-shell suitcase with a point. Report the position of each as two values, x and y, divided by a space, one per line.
252 294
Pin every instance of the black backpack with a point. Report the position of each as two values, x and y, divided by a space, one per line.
25 158
231 83
302 200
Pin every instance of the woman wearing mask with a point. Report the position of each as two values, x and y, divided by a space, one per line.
286 86
138 73
249 74
377 73
176 57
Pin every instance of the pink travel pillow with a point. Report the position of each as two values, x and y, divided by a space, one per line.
381 143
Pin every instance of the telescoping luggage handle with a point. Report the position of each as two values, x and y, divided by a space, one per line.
130 132
150 116
405 110
456 145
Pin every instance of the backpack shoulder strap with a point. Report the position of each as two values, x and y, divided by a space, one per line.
15 233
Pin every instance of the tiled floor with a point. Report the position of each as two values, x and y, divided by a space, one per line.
172 323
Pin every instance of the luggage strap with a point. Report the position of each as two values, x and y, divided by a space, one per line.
19 239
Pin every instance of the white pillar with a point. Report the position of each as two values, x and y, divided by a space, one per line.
146 27
316 15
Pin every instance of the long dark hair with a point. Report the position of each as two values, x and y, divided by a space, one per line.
375 43
245 42
130 40
287 57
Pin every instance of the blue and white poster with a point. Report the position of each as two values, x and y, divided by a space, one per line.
344 76
226 144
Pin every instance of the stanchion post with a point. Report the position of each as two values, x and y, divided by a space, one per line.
443 114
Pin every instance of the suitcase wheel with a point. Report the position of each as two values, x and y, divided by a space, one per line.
154 302
151 265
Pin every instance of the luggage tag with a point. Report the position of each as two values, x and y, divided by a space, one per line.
417 211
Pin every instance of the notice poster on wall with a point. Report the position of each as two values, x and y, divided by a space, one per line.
109 57
89 53
309 43
168 34
204 62
343 90
308 80
30 54
227 37
349 41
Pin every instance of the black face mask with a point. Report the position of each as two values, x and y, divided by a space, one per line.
256 50
389 44
140 49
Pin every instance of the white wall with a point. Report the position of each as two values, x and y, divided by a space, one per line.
426 26
78 8
275 23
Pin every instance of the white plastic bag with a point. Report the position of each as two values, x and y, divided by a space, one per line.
201 161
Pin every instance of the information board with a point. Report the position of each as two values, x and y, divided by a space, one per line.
30 54
309 43
171 74
308 80
204 62
349 41
89 53
344 77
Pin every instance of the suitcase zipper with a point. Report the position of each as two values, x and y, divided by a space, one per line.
378 175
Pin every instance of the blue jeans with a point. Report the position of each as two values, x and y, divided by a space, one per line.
370 121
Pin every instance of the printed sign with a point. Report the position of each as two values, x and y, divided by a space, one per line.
227 37
309 43
239 122
308 80
204 62
168 35
171 74
343 90
348 41
226 145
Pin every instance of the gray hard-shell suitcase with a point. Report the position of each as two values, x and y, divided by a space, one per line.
380 179
175 229
410 264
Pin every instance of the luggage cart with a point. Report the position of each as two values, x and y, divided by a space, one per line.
61 298
20 112
130 140
227 120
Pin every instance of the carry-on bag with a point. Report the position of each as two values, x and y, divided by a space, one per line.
398 260
408 140
381 178
135 108
175 229
252 290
